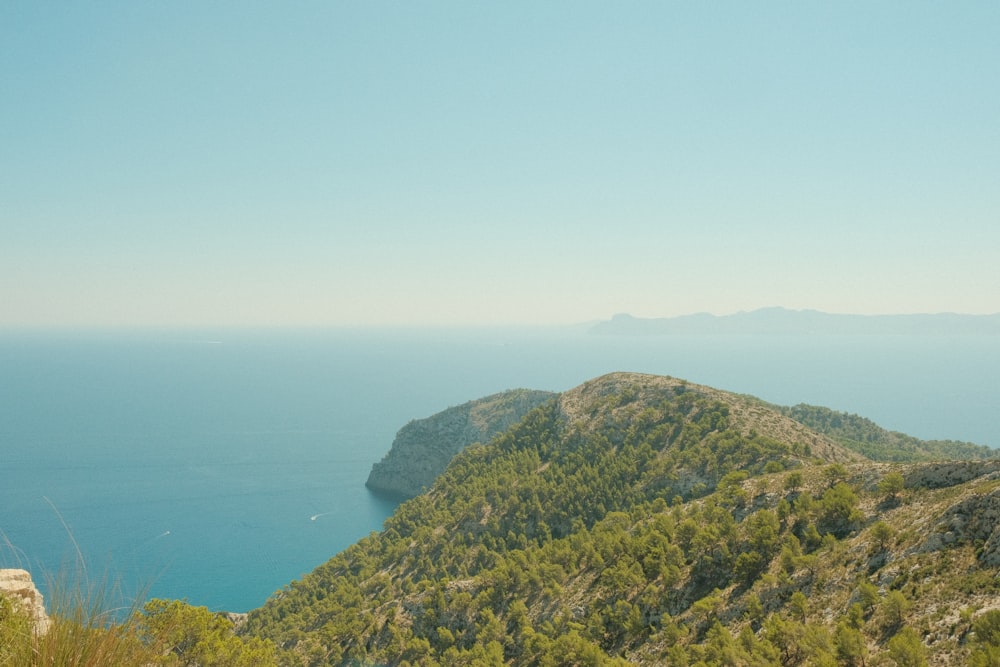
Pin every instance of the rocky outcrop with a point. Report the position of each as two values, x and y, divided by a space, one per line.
424 447
975 519
949 473
17 586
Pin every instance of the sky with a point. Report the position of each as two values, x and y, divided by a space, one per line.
471 163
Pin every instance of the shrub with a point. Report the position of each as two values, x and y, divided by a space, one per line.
85 630
906 649
891 485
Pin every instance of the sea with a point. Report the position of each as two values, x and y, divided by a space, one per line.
217 466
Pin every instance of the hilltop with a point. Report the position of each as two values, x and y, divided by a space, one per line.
646 520
423 448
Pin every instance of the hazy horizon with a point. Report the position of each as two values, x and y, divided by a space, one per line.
189 165
499 326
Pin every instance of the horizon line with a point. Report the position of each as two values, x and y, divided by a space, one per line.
428 326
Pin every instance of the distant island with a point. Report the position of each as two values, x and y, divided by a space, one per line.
783 321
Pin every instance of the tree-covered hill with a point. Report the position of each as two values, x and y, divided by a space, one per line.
644 520
868 438
424 447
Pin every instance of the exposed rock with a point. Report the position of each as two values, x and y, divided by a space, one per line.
18 586
952 473
238 619
424 447
975 518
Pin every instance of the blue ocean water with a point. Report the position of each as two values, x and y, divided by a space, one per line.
217 466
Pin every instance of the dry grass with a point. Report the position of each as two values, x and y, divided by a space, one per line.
91 623
88 628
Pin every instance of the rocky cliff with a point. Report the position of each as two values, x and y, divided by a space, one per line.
424 447
18 586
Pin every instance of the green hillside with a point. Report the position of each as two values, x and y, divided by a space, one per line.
644 520
868 438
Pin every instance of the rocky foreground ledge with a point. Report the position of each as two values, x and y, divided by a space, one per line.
18 586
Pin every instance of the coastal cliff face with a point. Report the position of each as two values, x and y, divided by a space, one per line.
423 448
17 585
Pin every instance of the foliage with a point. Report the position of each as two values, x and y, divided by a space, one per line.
894 608
882 535
87 629
891 485
850 644
906 649
986 637
195 636
871 440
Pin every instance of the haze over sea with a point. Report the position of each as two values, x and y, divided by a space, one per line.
217 466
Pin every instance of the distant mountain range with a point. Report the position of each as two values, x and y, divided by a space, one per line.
784 321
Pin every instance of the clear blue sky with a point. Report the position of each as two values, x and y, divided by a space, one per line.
357 163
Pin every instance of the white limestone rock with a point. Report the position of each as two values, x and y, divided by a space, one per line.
18 586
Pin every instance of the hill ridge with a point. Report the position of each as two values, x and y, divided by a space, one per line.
749 414
641 519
